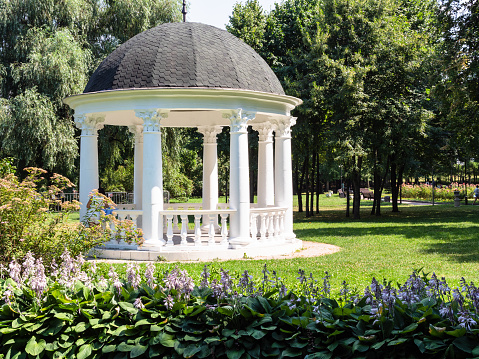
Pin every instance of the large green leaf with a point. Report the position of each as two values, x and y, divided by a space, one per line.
226 310
235 353
138 350
108 348
35 348
84 351
167 340
291 352
464 343
124 347
191 350
54 327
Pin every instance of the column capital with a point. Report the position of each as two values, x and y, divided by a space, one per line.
209 133
282 127
89 124
137 130
265 131
151 118
239 119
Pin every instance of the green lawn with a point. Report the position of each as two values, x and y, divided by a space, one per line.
441 239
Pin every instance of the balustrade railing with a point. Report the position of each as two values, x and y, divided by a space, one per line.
194 226
267 224
188 225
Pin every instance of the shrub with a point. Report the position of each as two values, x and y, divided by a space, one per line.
75 313
424 191
27 224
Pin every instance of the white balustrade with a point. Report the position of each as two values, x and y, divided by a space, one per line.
202 232
266 224
270 221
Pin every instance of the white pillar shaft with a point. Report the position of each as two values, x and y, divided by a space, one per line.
88 169
138 175
239 187
284 173
152 187
152 191
210 176
265 174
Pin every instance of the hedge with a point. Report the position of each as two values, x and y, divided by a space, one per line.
75 313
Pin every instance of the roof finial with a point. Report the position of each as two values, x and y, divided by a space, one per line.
184 11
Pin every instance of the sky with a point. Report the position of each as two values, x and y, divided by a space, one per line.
217 12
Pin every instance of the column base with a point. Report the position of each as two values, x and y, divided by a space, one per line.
239 242
153 243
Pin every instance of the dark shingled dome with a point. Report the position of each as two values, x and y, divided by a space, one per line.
184 55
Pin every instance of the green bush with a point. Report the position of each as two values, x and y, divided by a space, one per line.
76 314
444 193
27 223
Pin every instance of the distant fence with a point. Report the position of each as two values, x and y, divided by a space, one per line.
116 197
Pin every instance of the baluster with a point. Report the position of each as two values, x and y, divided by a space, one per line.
184 229
276 226
197 229
254 227
281 223
175 223
134 219
169 230
270 226
211 230
263 227
224 228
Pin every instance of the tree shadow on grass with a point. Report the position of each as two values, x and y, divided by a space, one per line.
450 233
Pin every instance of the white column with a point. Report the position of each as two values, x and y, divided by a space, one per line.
265 165
284 173
210 166
137 130
239 177
210 170
89 125
152 191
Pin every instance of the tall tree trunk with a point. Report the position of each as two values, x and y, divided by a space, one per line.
319 187
356 177
348 184
313 179
394 186
399 180
306 186
301 187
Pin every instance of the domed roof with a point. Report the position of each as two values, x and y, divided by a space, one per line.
190 55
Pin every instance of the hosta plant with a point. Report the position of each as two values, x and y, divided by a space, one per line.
77 313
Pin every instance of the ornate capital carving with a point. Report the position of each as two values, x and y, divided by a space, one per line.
282 127
239 119
151 119
265 131
137 130
89 124
209 133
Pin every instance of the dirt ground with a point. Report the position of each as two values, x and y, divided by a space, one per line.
310 249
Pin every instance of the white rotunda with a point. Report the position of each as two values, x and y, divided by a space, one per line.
194 75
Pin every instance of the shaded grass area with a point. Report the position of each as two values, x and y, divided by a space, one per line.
441 239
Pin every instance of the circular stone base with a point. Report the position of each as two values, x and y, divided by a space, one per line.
204 253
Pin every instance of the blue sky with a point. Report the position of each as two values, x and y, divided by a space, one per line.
217 12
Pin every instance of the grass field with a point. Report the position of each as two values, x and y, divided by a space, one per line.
441 239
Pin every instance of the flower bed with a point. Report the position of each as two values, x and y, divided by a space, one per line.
443 193
76 313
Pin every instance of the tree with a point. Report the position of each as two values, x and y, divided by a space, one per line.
457 89
248 22
366 67
48 50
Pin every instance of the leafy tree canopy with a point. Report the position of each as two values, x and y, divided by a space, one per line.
48 50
